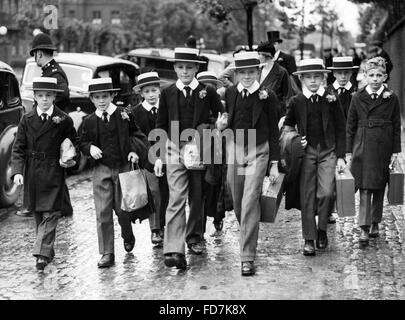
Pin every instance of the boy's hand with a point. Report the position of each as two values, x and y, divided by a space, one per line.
133 157
341 165
274 173
304 142
348 159
95 152
70 163
393 161
222 121
18 179
158 168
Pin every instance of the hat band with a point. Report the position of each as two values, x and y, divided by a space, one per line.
185 56
311 67
207 78
246 63
44 86
147 80
342 65
100 87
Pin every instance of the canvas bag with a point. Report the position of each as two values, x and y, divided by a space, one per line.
134 190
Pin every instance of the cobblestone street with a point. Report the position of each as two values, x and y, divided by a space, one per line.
343 271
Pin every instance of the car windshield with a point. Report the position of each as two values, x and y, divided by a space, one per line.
78 77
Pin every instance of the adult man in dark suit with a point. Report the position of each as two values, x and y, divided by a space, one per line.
283 59
184 105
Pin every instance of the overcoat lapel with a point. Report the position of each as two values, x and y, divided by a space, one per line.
304 114
257 110
233 93
122 127
325 111
49 124
198 104
380 100
174 104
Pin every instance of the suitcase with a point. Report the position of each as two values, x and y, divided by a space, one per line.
271 198
396 186
345 193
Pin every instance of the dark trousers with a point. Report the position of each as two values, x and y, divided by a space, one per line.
371 206
45 227
107 197
160 193
317 184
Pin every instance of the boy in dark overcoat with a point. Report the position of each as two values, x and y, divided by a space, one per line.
108 136
250 110
184 105
373 141
321 124
37 148
145 113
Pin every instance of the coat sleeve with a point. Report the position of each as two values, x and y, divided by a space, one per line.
396 125
18 154
162 119
351 125
85 140
70 132
339 120
274 134
228 74
138 141
215 103
290 118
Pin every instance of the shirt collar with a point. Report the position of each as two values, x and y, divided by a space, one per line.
193 85
255 86
276 55
370 92
49 112
110 110
308 93
348 85
148 106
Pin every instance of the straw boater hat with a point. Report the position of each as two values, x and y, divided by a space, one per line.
342 63
248 59
186 55
145 79
100 85
209 77
311 65
45 84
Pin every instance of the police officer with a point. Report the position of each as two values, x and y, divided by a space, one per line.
43 49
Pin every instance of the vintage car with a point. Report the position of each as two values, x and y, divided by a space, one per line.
11 111
158 60
80 68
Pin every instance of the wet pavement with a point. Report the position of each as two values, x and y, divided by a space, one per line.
343 271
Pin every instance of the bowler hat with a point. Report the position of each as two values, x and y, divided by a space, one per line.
274 36
45 84
186 55
342 63
101 85
310 65
146 79
42 42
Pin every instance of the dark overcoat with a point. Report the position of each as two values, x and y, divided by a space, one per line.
36 153
373 142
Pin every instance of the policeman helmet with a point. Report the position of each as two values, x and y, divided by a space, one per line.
42 41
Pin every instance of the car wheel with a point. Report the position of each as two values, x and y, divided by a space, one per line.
8 190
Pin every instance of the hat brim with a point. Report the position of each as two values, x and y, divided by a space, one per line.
185 60
41 48
217 82
311 71
276 40
103 90
343 68
44 89
138 87
249 66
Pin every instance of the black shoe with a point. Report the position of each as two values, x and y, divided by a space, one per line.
128 246
364 236
331 219
177 260
156 237
322 241
42 262
106 261
248 268
218 225
309 248
196 248
374 232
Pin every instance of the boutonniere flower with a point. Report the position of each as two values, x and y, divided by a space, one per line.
124 116
280 59
331 97
263 95
387 94
57 119
202 94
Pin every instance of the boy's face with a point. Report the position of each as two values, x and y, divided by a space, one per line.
247 76
185 71
342 76
102 100
375 78
44 99
312 80
151 94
